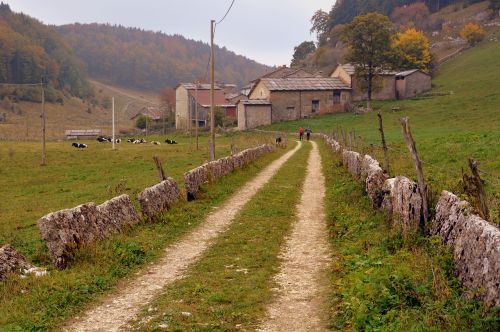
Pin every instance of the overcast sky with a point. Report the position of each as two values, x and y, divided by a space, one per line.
263 30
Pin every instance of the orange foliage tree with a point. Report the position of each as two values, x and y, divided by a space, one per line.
412 50
473 33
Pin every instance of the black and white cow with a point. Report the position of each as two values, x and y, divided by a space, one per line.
170 141
79 145
155 143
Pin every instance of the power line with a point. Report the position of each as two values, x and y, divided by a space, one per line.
229 9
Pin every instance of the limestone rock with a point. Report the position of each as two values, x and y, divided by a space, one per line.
11 261
159 197
403 201
475 244
352 160
374 180
116 213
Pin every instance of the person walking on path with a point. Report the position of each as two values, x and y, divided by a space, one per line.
301 133
308 133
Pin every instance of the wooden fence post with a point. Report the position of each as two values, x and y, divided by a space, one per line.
159 167
481 193
384 144
410 142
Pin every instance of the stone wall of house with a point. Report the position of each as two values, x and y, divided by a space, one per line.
475 244
385 88
413 85
252 116
67 230
159 198
217 169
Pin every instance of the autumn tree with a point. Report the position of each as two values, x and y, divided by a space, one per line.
302 51
473 33
413 15
411 50
368 38
319 23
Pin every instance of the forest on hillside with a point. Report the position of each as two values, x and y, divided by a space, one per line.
32 52
149 60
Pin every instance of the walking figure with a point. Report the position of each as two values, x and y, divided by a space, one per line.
308 133
301 133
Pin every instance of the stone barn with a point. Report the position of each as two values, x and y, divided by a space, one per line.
385 83
411 83
301 97
191 96
253 113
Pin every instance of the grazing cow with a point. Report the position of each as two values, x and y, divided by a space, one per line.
103 139
170 141
131 140
79 145
140 141
155 143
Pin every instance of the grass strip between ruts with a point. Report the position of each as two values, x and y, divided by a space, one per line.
231 285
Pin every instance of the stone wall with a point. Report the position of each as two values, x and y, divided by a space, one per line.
67 230
352 160
403 201
217 169
475 244
159 197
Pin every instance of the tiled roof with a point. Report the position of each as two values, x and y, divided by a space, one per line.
305 84
192 86
152 112
256 102
407 72
349 68
203 98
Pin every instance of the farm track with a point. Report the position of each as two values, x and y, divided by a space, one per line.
298 305
113 313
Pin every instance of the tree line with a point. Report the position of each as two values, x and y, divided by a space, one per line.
33 52
149 60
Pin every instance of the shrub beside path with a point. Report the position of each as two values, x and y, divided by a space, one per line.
300 298
118 309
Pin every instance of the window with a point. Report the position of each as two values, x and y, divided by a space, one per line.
315 106
336 97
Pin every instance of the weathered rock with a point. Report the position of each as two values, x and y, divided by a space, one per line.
374 180
116 213
67 230
403 201
11 262
217 169
475 244
159 197
352 160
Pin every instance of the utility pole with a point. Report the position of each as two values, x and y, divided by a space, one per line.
113 120
44 156
196 115
212 92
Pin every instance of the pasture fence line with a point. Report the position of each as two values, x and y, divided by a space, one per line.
66 231
475 242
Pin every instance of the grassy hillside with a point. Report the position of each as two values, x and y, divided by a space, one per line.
448 129
23 117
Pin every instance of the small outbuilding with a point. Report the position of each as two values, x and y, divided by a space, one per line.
253 113
411 83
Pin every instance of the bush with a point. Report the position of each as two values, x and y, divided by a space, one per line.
473 33
142 121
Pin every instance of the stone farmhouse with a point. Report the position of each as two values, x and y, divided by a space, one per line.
152 112
191 96
281 99
390 84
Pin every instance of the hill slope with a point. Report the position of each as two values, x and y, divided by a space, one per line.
151 60
31 50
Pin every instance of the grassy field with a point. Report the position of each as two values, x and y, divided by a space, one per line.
229 287
448 129
76 176
382 282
